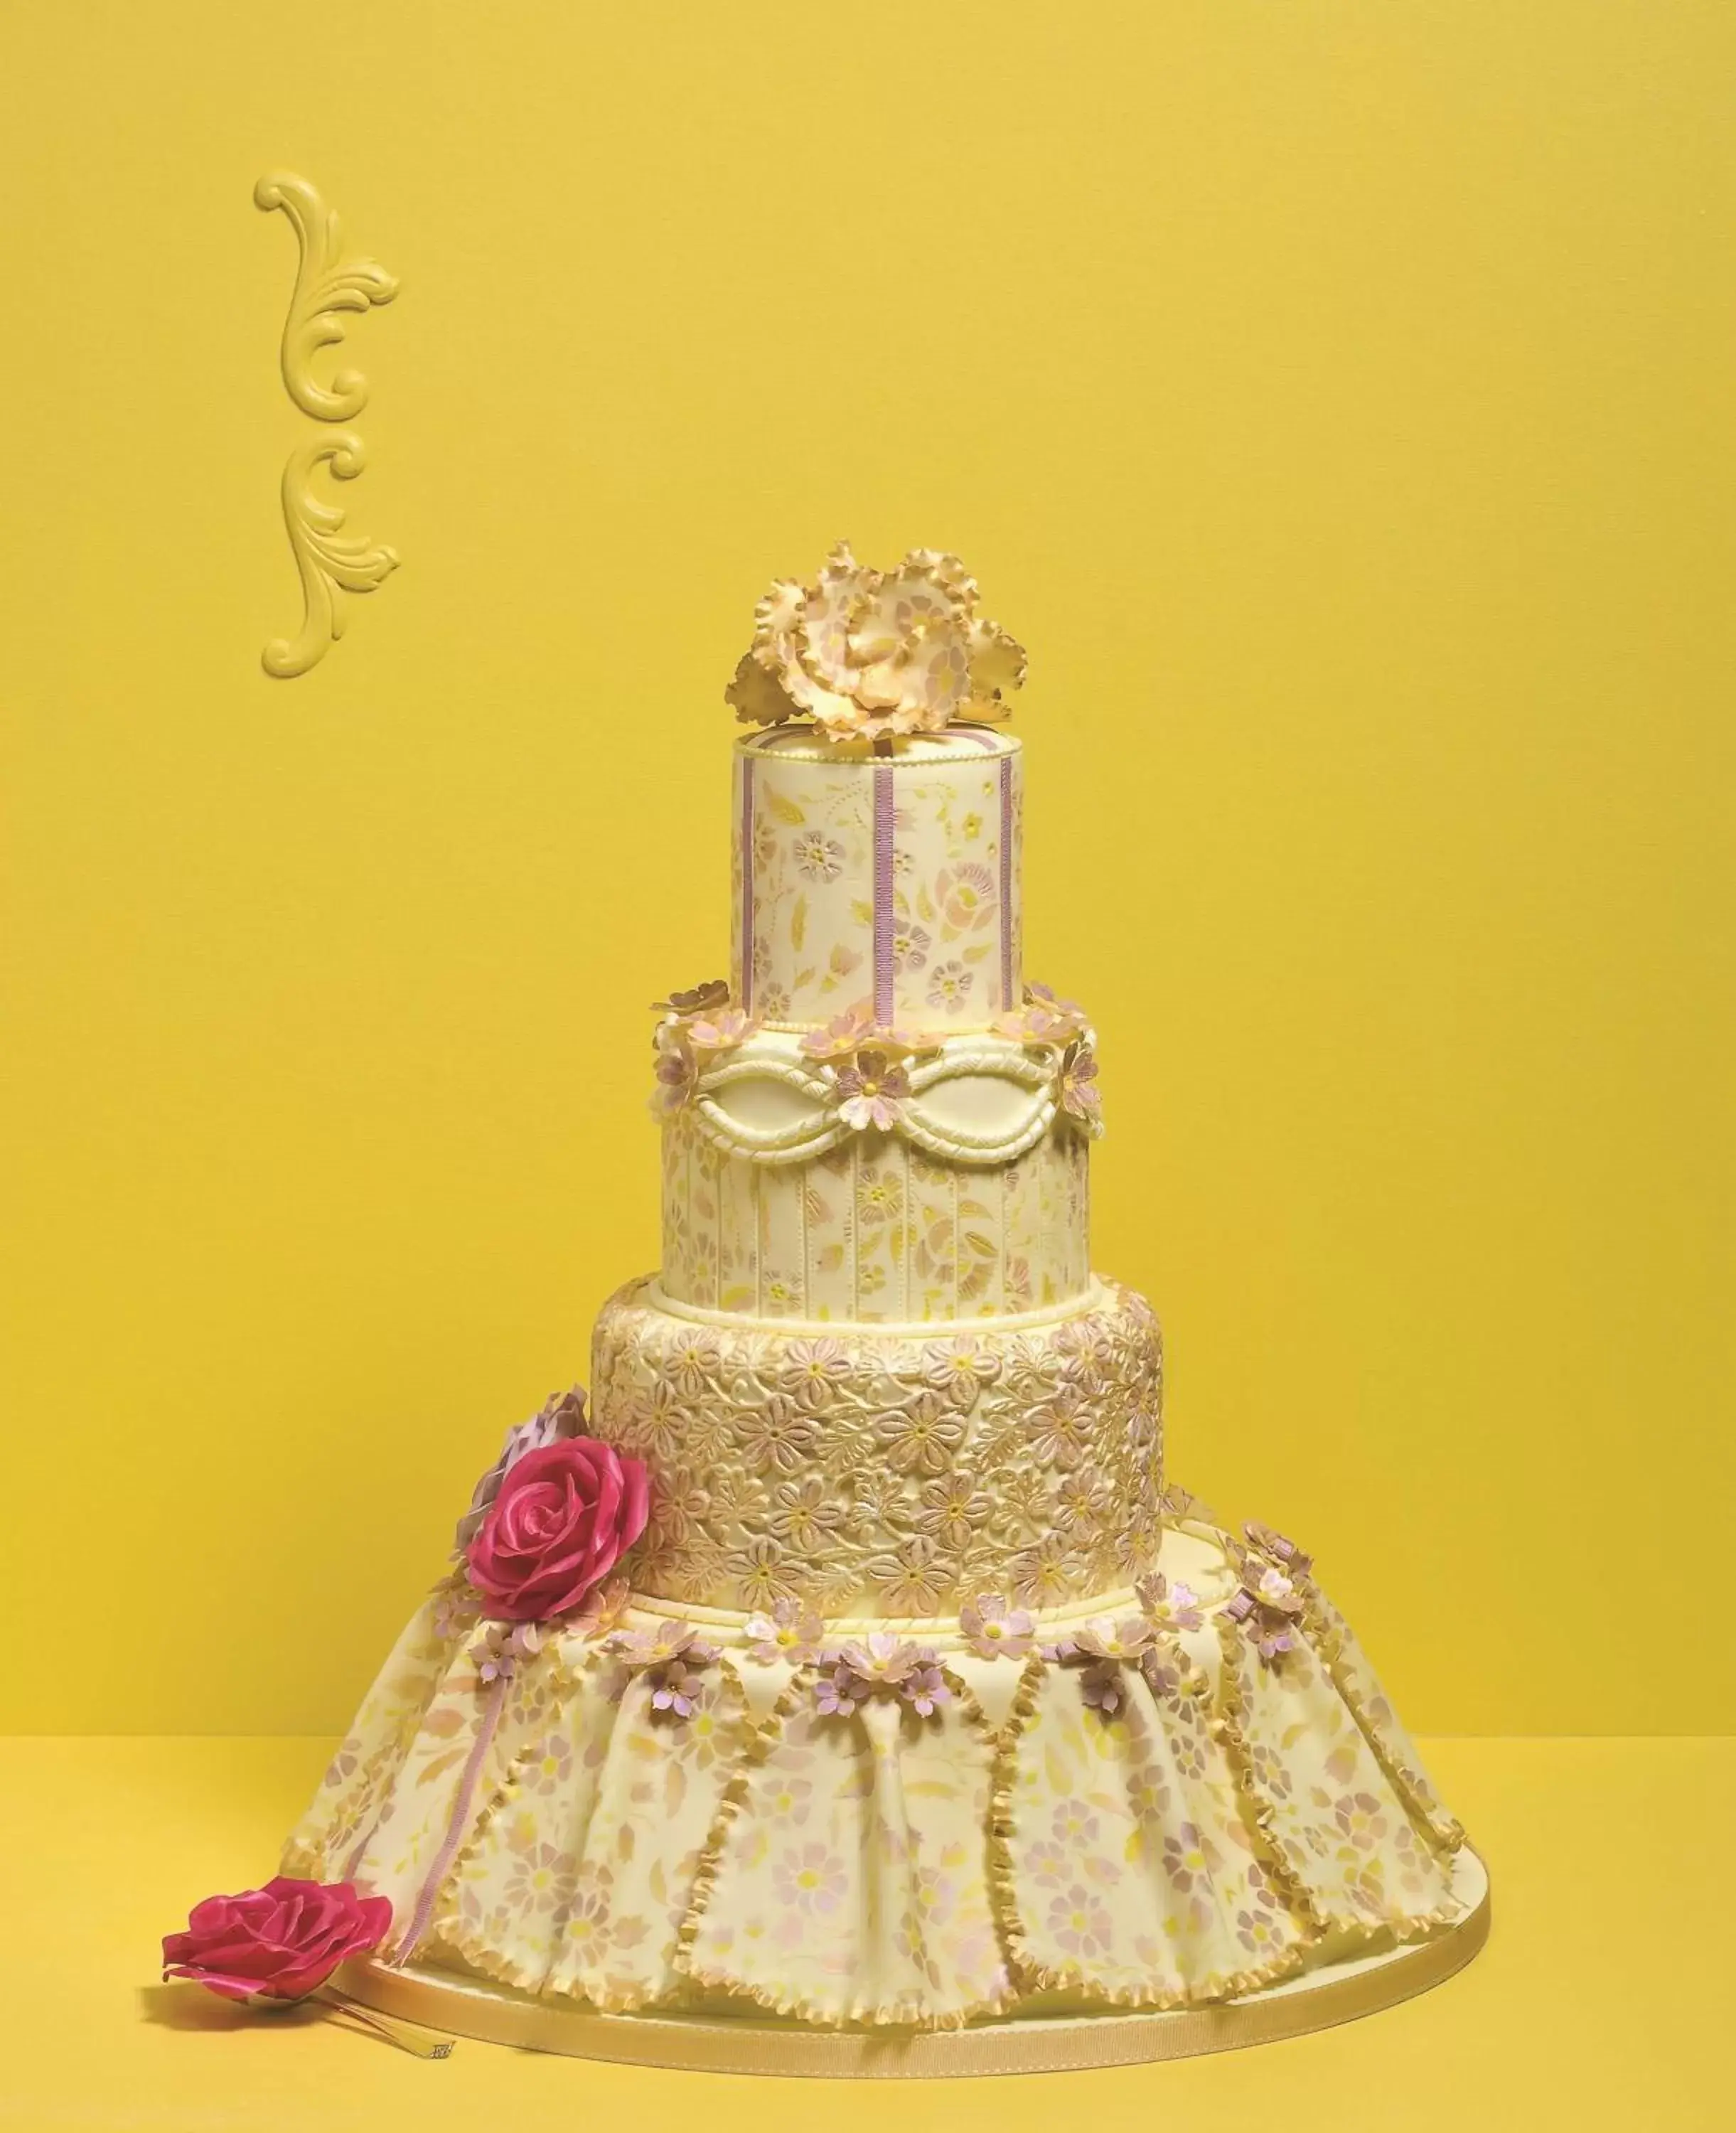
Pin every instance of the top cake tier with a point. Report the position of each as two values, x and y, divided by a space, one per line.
891 877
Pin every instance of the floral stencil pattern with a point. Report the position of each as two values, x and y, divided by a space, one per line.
807 890
874 1231
888 1853
848 1467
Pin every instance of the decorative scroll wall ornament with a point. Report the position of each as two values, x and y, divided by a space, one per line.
331 562
327 285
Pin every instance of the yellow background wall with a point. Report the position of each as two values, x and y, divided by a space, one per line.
1339 401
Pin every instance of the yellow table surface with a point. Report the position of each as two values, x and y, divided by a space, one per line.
1602 1998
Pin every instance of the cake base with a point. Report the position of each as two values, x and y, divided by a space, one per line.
1186 1814
1343 1991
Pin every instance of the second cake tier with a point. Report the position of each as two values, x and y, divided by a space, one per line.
891 1471
973 1203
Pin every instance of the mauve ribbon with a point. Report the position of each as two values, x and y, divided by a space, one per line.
460 1815
883 810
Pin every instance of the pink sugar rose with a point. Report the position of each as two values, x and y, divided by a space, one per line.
278 1942
565 1516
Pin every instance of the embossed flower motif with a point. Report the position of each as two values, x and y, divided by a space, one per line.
953 1509
778 1434
1058 1432
818 857
721 1032
912 1580
657 1420
702 1000
868 652
966 897
1081 1503
911 944
922 1437
994 1631
959 1369
761 1573
791 1630
805 1514
1170 1609
679 1505
1084 1353
813 1372
870 1090
1043 1573
692 1362
1081 1097
950 987
695 1569
1043 1018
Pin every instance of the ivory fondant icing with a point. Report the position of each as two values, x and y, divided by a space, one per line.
973 1203
893 878
921 1710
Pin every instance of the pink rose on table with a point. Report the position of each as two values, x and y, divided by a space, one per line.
277 1943
565 1516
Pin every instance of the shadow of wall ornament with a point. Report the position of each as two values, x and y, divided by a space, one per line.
331 562
328 287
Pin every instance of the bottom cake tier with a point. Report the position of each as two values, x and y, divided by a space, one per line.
1190 1795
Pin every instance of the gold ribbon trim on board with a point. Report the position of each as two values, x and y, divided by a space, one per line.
472 2008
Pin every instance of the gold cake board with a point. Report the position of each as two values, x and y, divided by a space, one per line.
710 2044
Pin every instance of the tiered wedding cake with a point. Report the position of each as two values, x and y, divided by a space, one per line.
847 1689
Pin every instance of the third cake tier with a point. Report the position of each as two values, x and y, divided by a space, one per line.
886 1471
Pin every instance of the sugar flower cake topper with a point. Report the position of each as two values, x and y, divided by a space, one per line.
870 655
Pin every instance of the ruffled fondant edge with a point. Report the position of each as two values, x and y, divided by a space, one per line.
1027 1972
